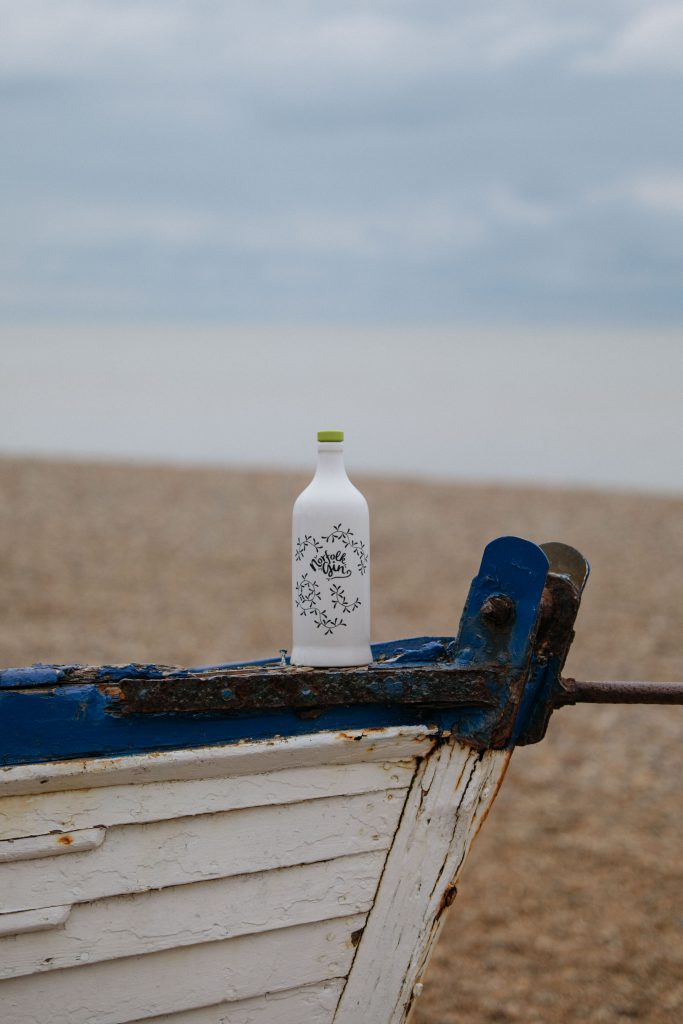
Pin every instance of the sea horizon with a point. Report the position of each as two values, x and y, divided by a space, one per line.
587 408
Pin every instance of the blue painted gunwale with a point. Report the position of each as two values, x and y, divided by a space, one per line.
45 717
42 719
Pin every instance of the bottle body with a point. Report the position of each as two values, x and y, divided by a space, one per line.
331 568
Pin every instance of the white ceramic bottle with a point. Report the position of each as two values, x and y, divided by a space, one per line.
331 565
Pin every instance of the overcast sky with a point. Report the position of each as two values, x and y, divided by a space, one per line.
504 162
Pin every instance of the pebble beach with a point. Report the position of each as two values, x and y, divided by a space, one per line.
570 908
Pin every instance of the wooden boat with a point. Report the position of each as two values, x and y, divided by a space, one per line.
261 843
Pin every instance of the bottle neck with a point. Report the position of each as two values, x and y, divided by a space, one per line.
330 461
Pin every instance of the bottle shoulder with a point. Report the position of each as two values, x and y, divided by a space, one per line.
330 493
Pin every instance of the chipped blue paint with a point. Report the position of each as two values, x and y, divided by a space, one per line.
421 650
518 569
49 675
402 652
35 675
539 689
77 725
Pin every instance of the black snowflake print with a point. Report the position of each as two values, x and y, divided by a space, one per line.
323 621
303 545
360 551
338 534
339 599
307 595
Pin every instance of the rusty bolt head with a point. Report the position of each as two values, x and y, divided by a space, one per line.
498 611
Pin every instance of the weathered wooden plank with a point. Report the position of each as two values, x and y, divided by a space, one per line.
35 815
312 1004
37 847
32 921
137 988
134 858
393 743
185 915
450 796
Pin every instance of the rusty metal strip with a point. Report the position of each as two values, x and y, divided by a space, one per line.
240 690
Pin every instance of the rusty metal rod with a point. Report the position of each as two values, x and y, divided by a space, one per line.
577 691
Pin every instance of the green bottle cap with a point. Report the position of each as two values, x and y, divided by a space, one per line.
330 435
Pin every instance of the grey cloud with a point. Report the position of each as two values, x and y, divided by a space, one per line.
343 161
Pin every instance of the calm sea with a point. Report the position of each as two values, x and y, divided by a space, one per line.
580 407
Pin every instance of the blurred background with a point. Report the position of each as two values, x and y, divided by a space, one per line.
454 230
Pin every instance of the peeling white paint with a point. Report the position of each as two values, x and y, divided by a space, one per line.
31 815
31 921
452 792
353 746
36 847
183 850
136 988
310 1004
186 915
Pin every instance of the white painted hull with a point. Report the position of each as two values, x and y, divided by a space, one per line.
288 880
